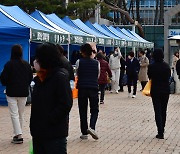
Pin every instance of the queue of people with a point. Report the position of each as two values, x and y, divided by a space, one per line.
52 95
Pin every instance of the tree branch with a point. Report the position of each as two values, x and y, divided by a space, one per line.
116 8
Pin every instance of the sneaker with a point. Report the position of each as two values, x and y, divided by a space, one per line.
129 94
84 137
121 90
111 91
160 136
101 102
117 92
133 96
17 140
93 133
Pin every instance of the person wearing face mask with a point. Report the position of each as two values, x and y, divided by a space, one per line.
17 76
114 63
132 71
51 102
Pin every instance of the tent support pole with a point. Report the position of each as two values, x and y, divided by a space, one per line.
68 51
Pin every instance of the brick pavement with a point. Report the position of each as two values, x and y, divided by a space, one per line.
125 126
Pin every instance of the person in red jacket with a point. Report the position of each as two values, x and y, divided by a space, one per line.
104 71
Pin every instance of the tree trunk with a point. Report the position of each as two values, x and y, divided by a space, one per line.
177 2
161 15
132 10
116 8
156 13
137 11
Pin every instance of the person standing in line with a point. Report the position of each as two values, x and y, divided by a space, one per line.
65 62
144 62
174 72
122 72
17 76
114 63
51 102
88 70
67 65
132 71
104 73
159 72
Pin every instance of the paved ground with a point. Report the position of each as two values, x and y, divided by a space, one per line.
125 126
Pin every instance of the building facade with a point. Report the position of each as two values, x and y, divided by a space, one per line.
147 10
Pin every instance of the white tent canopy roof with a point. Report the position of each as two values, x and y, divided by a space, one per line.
175 37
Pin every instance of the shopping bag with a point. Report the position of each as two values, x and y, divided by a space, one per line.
31 148
147 89
124 80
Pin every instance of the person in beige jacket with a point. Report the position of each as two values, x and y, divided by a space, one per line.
174 72
144 62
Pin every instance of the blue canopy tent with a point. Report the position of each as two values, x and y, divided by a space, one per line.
39 32
117 41
129 42
77 37
11 33
17 27
147 44
141 45
101 39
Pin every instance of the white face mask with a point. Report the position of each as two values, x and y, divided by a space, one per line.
36 65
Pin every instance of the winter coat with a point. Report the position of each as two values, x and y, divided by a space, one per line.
67 65
133 67
144 62
51 104
159 73
104 72
114 61
16 76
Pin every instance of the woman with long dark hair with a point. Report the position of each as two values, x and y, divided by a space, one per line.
17 76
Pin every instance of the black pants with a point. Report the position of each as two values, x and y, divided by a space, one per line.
160 107
102 90
50 146
143 84
121 79
83 96
132 81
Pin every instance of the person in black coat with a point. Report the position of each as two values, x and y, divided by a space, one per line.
17 76
122 71
159 72
51 102
65 62
132 71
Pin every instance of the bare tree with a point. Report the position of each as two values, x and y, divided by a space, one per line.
177 2
156 13
132 9
116 8
161 15
122 4
137 11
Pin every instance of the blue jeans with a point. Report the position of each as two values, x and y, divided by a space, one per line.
83 96
50 146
